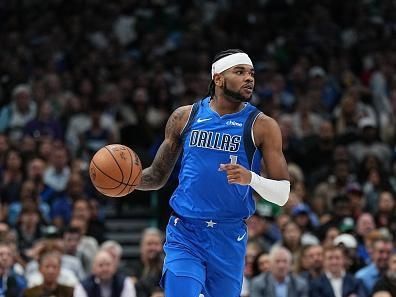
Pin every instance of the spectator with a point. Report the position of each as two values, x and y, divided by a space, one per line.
364 226
356 198
369 142
28 195
33 274
50 264
149 270
334 281
115 250
87 246
380 254
310 263
15 115
57 173
291 239
262 229
349 244
62 208
279 281
386 208
45 125
12 284
261 263
71 241
29 227
105 280
11 177
387 283
82 210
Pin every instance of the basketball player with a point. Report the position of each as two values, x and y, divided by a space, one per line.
223 139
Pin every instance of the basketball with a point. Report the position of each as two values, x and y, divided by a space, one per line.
115 170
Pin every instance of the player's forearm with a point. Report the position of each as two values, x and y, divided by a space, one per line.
275 191
152 180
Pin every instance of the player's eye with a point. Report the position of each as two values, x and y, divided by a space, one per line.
239 72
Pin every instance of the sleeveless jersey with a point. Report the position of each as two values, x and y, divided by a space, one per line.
210 140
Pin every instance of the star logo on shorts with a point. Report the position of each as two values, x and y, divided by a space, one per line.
210 223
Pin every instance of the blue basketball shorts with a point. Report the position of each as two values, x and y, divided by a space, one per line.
209 251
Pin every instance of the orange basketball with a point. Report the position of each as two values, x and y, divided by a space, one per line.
115 170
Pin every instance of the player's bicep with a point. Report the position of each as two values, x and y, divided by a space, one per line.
271 147
169 151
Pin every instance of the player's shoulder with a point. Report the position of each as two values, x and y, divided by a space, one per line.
265 121
182 113
178 119
265 127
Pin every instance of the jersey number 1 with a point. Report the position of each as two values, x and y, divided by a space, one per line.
233 159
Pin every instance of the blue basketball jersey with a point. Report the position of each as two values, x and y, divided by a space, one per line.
208 141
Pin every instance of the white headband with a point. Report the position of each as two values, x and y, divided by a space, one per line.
230 61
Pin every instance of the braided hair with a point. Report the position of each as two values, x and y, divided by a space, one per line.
222 54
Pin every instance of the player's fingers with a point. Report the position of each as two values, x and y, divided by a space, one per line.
233 171
232 180
228 166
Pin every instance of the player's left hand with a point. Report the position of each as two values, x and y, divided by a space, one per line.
236 174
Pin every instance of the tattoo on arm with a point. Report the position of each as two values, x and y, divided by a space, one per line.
155 176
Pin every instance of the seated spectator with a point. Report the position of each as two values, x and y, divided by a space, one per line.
28 195
310 262
12 284
386 208
279 278
29 228
57 173
17 113
380 254
104 281
349 244
364 226
387 283
262 229
50 266
32 272
334 281
61 244
62 207
87 246
35 169
253 250
148 271
12 177
115 250
95 228
45 125
262 263
291 239
307 221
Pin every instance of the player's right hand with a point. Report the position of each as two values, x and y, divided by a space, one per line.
236 174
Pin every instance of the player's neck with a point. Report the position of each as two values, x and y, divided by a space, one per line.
223 106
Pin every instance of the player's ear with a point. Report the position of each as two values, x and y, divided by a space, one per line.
218 79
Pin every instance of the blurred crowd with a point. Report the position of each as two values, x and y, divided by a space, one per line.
77 75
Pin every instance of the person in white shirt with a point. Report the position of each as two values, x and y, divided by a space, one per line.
334 281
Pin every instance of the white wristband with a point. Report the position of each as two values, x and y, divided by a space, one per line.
276 191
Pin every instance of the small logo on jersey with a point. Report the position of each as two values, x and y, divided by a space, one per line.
203 120
176 221
241 237
233 123
210 224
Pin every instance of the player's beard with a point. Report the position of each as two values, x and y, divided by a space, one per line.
235 95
